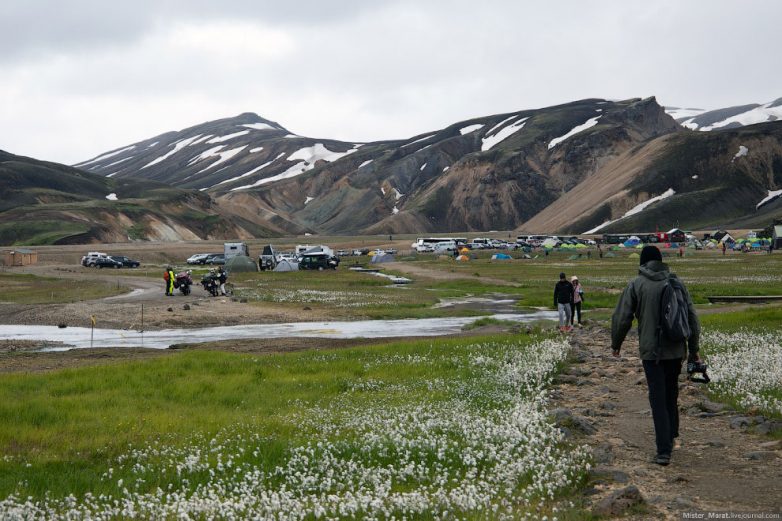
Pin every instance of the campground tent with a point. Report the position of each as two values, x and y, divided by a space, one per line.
240 264
287 265
632 242
501 256
381 257
462 258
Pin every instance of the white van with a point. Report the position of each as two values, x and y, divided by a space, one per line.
444 246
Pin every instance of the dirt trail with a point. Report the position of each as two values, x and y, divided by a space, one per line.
436 274
720 466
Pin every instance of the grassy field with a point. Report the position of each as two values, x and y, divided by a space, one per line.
429 429
413 428
31 289
531 281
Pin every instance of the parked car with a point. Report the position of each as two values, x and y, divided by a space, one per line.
126 262
105 262
342 253
89 259
216 259
318 261
198 258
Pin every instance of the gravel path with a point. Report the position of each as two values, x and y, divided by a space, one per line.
723 464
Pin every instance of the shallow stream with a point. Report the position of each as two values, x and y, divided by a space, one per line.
80 337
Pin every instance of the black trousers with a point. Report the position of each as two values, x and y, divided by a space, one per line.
663 381
575 307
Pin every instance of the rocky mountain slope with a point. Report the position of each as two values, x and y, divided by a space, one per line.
588 165
48 203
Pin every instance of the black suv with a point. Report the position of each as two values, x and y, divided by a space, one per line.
318 262
105 262
126 262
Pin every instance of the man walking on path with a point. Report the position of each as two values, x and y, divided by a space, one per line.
563 298
661 357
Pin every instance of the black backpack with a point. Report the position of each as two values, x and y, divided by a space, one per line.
674 322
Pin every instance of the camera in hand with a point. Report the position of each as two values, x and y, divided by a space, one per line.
696 371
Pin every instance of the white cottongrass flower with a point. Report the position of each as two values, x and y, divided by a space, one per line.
747 366
487 451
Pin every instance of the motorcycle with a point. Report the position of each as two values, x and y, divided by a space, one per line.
211 283
183 281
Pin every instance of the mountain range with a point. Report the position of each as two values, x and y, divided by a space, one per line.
591 165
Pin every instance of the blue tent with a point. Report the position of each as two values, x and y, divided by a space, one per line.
632 242
500 256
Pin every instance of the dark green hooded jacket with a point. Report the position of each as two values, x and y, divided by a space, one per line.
641 299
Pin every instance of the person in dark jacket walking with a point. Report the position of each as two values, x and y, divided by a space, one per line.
563 298
661 358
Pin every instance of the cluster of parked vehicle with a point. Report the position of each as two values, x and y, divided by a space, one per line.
214 259
96 259
534 241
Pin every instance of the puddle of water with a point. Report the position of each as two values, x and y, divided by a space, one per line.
79 337
491 305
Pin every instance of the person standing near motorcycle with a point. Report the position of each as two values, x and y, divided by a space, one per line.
222 277
169 277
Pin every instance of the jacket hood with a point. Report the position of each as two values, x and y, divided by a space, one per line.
654 270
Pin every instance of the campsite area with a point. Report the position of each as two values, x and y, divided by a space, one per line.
498 419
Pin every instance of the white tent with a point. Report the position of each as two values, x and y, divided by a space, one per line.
286 265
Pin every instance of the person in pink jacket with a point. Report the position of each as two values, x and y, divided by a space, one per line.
578 298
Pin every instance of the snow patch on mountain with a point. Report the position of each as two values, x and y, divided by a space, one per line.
256 149
471 128
178 145
209 153
591 122
772 194
395 210
419 140
220 139
634 210
251 172
308 199
317 152
112 196
365 163
501 123
118 162
260 126
307 158
397 194
297 169
105 156
741 153
680 114
490 141
224 156
202 139
422 167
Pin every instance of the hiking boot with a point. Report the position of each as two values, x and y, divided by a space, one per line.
662 459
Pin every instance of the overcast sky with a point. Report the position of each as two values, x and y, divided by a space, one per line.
80 77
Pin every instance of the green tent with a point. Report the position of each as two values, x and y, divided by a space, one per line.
240 264
633 256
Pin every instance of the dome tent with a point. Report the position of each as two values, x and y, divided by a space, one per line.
500 256
286 265
240 264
